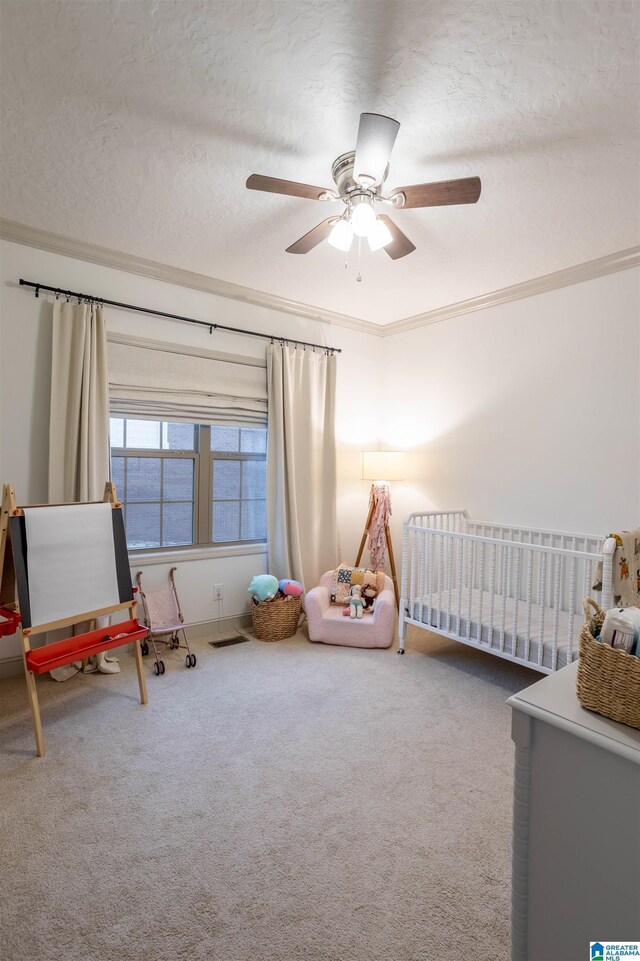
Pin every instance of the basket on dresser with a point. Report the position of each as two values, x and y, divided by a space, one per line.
608 679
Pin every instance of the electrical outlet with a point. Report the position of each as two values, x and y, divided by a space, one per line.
217 592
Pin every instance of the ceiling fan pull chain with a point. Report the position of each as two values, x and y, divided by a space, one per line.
359 275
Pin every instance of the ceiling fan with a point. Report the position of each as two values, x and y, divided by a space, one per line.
359 176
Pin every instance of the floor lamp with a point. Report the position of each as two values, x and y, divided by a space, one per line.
390 465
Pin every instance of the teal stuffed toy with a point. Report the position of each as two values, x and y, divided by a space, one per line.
263 587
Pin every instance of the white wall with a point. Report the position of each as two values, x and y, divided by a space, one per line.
25 384
527 413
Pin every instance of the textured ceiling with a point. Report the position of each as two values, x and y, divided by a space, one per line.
134 125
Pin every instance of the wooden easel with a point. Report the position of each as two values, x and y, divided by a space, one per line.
387 534
59 653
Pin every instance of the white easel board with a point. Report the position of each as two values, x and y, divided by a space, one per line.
70 559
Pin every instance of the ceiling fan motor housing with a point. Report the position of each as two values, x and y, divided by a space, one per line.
348 188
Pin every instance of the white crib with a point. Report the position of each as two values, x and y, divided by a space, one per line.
512 591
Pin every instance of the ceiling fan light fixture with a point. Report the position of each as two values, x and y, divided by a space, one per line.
341 235
379 235
363 218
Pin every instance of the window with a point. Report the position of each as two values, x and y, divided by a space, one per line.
238 469
185 484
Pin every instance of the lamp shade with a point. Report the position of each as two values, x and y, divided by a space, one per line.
363 218
386 465
379 235
341 235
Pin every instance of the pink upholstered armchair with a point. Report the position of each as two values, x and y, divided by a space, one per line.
328 624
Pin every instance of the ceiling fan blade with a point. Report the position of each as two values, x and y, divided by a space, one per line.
289 187
313 237
400 246
465 191
376 137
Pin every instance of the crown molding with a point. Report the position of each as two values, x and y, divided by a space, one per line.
105 257
609 264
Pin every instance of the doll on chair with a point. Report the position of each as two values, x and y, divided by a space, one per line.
356 604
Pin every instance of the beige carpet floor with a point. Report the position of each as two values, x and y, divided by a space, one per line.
281 802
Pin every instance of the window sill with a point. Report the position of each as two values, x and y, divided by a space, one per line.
146 558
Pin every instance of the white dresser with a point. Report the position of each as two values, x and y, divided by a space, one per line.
576 825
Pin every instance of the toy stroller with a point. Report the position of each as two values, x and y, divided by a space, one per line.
163 617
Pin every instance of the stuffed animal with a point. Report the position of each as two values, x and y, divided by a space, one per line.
369 594
290 588
356 605
263 587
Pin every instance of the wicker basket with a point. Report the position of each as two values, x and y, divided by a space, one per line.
608 679
274 620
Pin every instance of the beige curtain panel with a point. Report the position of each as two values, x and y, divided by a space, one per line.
79 417
79 420
172 382
301 464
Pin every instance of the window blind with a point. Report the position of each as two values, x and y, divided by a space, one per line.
181 383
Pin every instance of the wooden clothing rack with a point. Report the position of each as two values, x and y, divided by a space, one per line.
14 581
387 534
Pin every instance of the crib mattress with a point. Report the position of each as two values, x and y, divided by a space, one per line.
482 635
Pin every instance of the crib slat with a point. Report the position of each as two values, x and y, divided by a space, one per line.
472 574
588 580
492 585
415 587
506 566
516 602
432 578
411 578
449 548
558 569
572 607
528 601
422 576
418 587
459 581
483 547
542 575
440 549
413 574
417 582
539 593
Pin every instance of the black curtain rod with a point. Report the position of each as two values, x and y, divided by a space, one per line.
187 320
